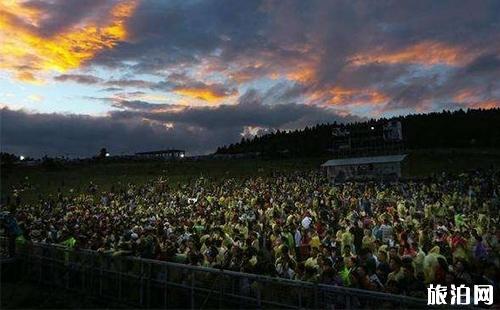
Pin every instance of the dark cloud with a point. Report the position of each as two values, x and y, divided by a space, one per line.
172 33
145 126
78 78
175 82
58 15
129 83
79 135
249 111
409 95
111 89
484 63
315 44
138 105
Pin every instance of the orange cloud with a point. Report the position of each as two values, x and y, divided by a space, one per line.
247 72
466 95
25 52
205 93
425 53
28 77
303 74
302 67
473 97
340 95
348 96
487 104
304 70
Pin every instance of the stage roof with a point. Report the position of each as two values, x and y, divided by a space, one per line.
364 160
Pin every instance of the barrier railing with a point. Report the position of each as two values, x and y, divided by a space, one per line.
148 283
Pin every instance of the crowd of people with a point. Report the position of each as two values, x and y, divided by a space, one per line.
395 237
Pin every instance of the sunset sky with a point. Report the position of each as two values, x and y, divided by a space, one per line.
131 75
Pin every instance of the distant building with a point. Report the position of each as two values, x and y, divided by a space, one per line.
163 154
364 167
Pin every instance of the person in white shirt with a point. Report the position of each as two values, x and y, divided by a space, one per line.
306 221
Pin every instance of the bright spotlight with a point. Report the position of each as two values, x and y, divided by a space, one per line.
372 128
107 154
182 155
21 157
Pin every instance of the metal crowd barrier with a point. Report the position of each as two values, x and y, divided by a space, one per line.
138 282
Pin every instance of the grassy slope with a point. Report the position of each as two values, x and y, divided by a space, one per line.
43 181
422 163
47 181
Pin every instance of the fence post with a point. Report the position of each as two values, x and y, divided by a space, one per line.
316 296
300 298
100 275
83 261
69 267
221 288
30 260
120 268
165 287
192 289
141 288
40 264
148 285
259 301
53 270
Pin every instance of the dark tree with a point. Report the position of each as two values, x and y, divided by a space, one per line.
446 129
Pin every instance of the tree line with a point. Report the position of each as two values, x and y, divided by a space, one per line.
472 128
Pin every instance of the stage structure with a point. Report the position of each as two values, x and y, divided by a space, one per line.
377 138
364 167
373 150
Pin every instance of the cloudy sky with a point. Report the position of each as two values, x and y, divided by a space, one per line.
131 75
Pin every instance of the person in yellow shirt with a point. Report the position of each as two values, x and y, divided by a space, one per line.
368 240
315 241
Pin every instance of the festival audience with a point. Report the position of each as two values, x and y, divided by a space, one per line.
389 237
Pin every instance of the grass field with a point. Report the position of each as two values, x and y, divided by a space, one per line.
39 180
